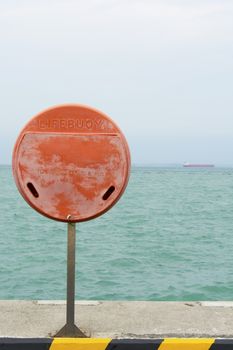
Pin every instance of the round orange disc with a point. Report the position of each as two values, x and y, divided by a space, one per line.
71 163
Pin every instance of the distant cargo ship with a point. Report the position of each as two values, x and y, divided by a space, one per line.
197 165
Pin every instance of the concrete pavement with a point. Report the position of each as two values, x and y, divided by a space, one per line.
119 319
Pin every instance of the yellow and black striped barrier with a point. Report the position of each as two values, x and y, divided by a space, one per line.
115 344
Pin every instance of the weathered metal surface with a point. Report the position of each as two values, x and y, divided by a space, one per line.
71 163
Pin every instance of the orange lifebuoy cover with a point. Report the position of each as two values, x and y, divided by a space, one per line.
71 163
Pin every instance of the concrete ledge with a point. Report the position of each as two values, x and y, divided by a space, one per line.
119 319
111 344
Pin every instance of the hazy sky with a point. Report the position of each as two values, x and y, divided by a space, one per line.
162 69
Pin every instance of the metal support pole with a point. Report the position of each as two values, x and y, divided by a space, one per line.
70 305
70 329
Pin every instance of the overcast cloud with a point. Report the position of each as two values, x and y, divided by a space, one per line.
163 70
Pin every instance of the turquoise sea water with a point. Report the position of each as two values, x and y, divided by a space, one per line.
170 237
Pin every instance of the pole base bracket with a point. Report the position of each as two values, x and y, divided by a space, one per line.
70 331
